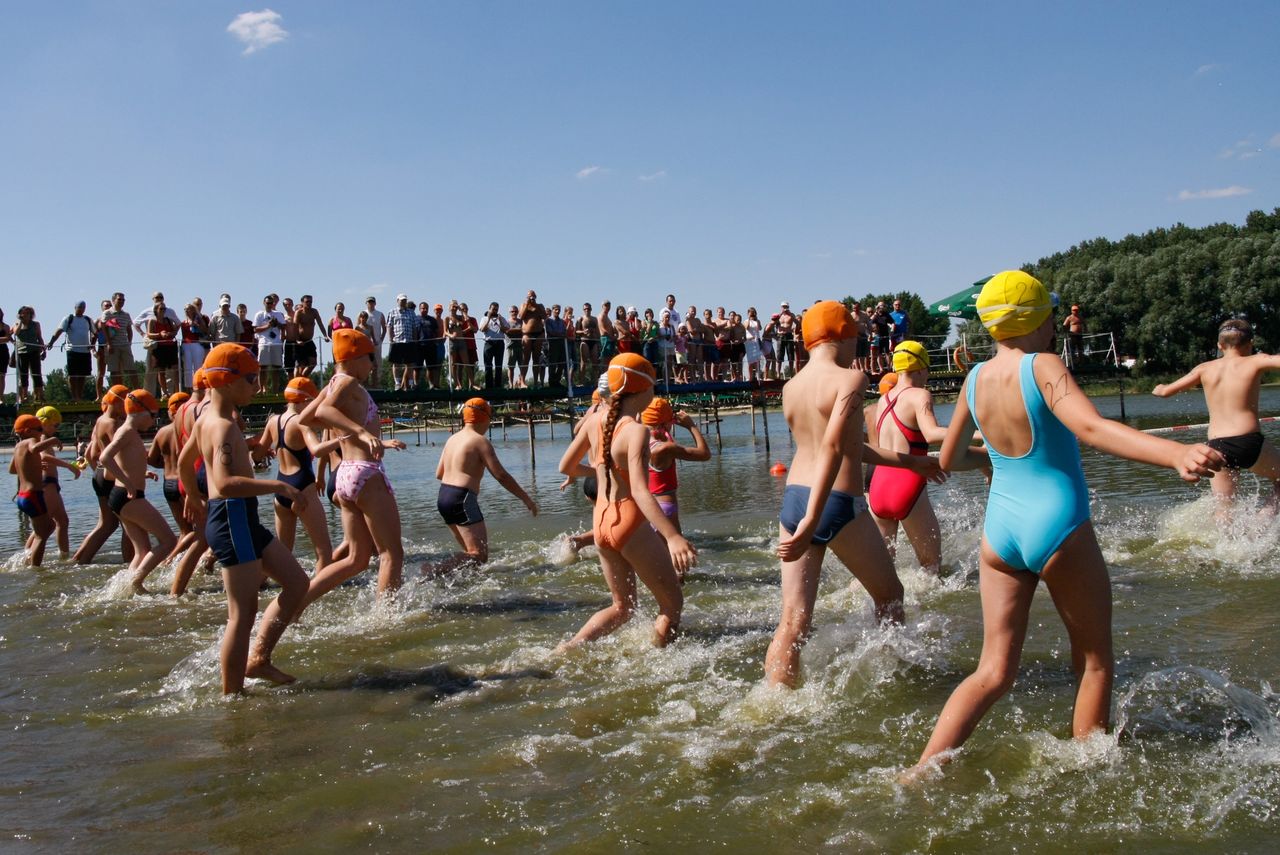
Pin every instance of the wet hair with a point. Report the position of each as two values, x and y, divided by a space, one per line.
606 439
1235 332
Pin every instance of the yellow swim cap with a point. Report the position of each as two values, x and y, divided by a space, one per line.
910 356
49 414
1013 303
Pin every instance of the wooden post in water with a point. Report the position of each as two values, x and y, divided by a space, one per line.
715 414
751 399
764 417
533 457
1122 415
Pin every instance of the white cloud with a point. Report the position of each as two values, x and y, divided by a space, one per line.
1243 149
661 173
367 290
1274 142
821 255
258 30
586 172
1206 68
861 252
1216 193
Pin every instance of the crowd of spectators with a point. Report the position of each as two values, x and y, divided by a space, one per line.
530 345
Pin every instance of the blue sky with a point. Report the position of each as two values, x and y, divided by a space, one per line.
732 153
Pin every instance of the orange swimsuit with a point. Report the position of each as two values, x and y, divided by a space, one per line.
614 522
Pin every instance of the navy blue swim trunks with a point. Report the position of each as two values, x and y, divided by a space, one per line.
234 532
841 509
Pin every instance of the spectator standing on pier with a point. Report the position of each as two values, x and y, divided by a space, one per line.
588 343
339 321
162 355
786 332
557 355
248 336
1075 327
377 332
119 326
30 351
429 336
268 328
402 326
307 321
289 337
515 350
195 342
901 324
533 320
494 326
225 326
79 330
142 324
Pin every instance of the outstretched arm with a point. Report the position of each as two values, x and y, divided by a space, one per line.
1077 412
503 477
571 462
1182 384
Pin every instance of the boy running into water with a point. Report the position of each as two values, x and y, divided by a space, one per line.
125 459
103 430
242 545
466 456
1230 386
163 454
823 502
26 464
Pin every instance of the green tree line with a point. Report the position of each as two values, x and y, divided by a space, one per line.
1165 292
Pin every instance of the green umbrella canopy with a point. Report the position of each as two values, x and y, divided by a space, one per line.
959 305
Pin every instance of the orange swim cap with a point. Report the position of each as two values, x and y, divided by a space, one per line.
596 397
630 372
226 364
26 422
888 381
177 399
141 401
476 410
300 390
658 412
199 380
350 344
827 322
114 395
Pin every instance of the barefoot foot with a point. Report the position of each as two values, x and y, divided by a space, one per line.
263 670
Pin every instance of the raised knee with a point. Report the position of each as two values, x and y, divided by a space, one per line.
997 678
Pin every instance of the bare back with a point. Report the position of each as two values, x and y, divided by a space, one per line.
462 462
809 400
1231 391
224 450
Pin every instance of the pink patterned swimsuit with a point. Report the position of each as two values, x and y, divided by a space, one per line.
352 475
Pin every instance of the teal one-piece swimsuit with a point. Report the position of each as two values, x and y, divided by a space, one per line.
1037 500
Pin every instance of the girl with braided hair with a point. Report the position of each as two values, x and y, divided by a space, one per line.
617 444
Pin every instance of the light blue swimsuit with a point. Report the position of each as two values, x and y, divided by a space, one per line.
1036 500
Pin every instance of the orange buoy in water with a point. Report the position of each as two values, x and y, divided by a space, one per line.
777 469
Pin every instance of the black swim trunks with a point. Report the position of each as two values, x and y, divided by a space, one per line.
101 484
171 492
458 506
120 497
1241 451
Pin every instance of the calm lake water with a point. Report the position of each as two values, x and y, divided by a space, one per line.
442 721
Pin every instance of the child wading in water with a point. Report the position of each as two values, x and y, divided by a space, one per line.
125 458
904 422
370 516
664 451
244 548
1037 526
1231 386
823 503
618 445
103 430
466 456
163 455
50 418
296 447
27 466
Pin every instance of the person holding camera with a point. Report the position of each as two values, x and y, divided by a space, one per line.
268 329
